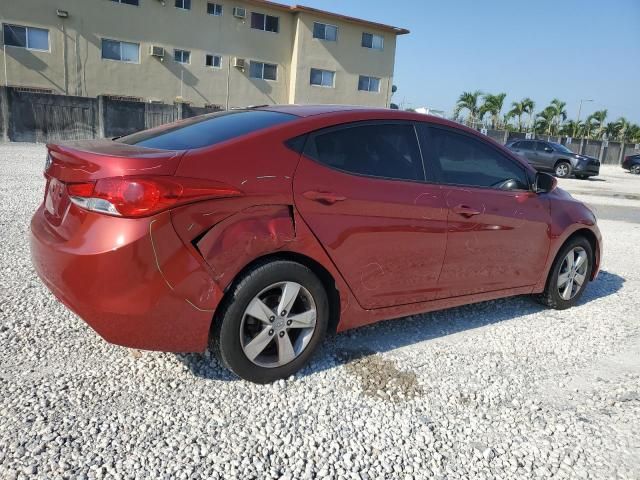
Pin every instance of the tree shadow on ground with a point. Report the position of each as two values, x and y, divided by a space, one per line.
344 348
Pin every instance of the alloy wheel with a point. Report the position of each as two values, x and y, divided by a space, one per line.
573 273
635 169
278 324
562 170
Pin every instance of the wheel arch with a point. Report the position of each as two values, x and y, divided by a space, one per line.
595 248
320 271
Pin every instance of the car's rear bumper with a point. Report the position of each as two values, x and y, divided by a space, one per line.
133 281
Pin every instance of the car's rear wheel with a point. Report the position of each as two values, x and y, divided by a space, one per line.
562 169
636 169
569 274
273 320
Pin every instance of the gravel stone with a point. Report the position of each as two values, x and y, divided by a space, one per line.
503 389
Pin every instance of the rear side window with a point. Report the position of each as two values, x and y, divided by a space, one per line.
207 130
377 150
460 159
525 145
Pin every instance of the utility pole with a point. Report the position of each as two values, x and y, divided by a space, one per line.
575 127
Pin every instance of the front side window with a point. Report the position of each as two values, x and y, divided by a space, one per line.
182 56
265 71
207 130
121 51
388 150
214 9
368 84
525 145
26 37
268 23
459 159
212 60
324 31
183 4
322 78
371 40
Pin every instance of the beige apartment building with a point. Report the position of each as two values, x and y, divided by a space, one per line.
228 53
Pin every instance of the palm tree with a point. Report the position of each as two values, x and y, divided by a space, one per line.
559 114
572 129
529 106
468 101
623 128
492 104
518 109
633 133
596 120
545 119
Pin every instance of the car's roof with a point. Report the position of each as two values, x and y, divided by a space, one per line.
310 110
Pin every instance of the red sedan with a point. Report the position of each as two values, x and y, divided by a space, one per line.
258 230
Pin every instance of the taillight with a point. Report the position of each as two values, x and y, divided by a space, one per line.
143 196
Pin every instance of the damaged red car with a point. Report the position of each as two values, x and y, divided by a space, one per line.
256 231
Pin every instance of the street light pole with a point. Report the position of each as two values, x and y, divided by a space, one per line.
575 127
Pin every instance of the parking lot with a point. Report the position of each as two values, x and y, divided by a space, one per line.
501 389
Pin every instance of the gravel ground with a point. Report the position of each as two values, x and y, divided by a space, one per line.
502 389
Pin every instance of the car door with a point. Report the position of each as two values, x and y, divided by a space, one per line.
527 150
497 236
361 189
545 156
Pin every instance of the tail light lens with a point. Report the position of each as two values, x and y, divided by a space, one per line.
144 196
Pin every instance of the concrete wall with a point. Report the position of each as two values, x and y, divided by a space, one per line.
74 66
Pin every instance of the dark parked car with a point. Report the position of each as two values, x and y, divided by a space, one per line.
632 163
257 230
556 158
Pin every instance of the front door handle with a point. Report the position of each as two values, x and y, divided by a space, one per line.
328 198
466 211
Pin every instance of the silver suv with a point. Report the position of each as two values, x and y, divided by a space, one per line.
556 158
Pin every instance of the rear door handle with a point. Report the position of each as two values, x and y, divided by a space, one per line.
328 198
465 211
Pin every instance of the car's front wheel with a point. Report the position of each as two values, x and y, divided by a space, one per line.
569 275
273 320
562 169
635 169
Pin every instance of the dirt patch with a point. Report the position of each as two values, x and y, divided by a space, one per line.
379 377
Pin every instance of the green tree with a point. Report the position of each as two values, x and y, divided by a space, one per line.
559 114
529 107
545 119
468 101
492 104
518 109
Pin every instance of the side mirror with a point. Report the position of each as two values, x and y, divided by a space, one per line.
545 182
548 149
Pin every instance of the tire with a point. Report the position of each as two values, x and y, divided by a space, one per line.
562 169
635 169
235 329
552 296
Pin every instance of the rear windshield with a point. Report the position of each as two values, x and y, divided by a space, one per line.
207 130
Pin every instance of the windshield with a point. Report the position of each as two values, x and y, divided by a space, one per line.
560 148
207 130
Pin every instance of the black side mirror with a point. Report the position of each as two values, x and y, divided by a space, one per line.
545 182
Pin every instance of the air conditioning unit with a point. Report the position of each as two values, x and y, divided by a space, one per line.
156 51
239 12
239 63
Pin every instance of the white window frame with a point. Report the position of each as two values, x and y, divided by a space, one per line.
264 23
120 42
321 84
262 71
183 7
216 6
325 31
182 52
27 28
214 55
373 37
369 78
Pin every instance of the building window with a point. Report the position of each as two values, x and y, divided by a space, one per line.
182 56
128 2
324 31
121 51
268 23
369 40
265 71
26 37
214 9
183 4
212 61
322 78
368 84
